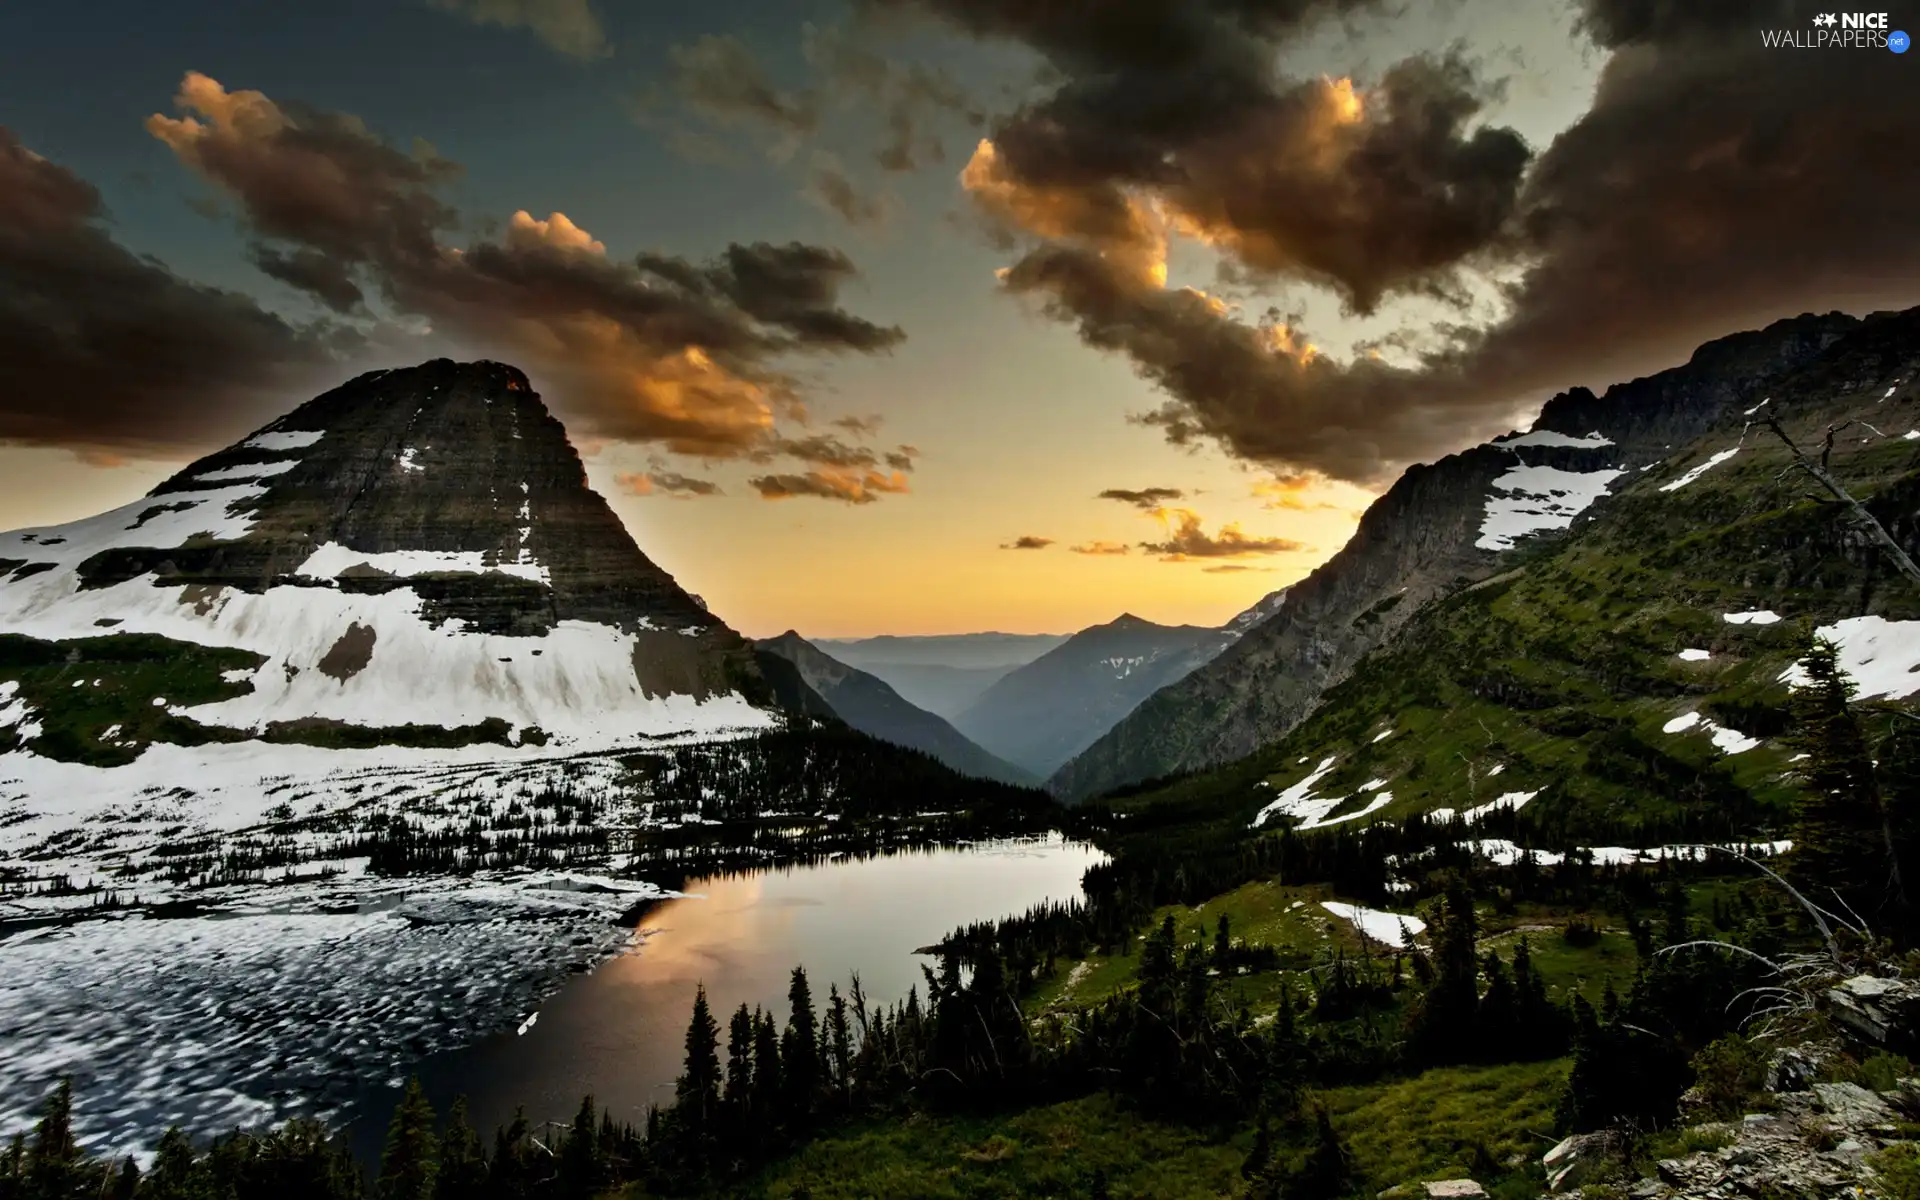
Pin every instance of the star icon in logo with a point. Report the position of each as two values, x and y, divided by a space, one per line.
1827 19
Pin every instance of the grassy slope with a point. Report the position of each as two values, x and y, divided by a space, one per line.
1433 1126
1563 670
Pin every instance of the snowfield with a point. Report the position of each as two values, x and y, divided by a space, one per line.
1392 929
1534 499
1882 656
252 1013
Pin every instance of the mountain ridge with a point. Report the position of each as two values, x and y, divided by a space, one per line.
1441 526
869 705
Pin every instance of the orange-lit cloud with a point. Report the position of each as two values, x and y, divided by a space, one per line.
665 483
1102 548
1027 541
1186 539
1297 493
831 483
658 349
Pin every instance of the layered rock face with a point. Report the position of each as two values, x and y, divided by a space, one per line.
1439 528
415 547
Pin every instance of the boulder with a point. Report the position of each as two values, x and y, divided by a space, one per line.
1570 1162
1455 1189
1884 1013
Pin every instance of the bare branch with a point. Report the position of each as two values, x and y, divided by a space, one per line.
1902 561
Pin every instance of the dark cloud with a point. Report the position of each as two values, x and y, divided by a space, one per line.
1102 548
1187 540
901 457
111 354
831 188
721 78
568 26
848 486
659 349
910 98
666 483
1713 185
1027 541
1148 498
865 426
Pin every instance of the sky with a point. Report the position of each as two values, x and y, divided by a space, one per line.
925 316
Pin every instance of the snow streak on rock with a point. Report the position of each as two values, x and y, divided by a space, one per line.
1535 499
1700 470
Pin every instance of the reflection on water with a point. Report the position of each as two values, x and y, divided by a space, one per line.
618 1032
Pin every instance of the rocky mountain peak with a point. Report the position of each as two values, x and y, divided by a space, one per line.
416 546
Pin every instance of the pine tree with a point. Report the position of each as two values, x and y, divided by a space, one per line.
1841 841
1328 1173
581 1168
800 1050
463 1160
838 1037
176 1173
1498 1014
738 1096
697 1092
55 1169
411 1155
1223 946
769 1086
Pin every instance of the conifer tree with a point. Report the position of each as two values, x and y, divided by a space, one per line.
1841 842
408 1162
1328 1173
1223 945
800 1050
838 1035
581 1168
463 1160
697 1091
738 1096
176 1172
55 1168
769 1087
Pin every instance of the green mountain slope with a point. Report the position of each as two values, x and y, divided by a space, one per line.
1563 677
1423 538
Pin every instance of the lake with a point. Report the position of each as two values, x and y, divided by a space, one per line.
618 1033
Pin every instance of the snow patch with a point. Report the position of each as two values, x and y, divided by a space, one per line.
1538 499
1694 655
1390 929
407 457
1700 470
286 439
1546 437
1509 800
1882 656
1382 736
1760 617
1727 741
332 559
1756 408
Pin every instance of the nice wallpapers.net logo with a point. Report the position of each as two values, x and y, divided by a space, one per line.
1840 31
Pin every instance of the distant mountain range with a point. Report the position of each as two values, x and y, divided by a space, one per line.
872 707
943 674
1039 715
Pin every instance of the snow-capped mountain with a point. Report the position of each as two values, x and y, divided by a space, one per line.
415 550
